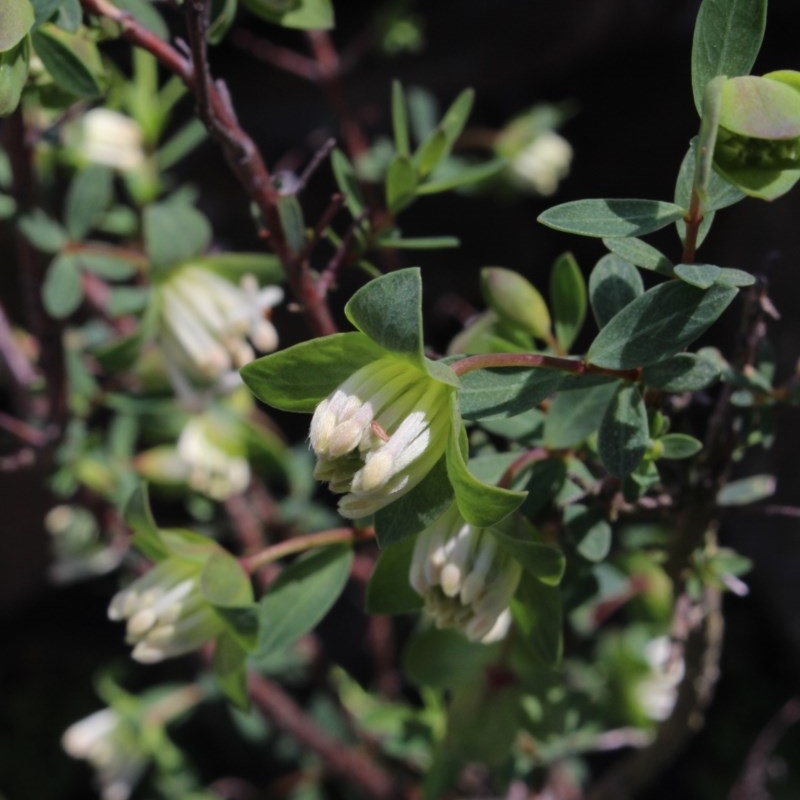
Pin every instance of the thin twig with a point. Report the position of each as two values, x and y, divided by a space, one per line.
328 277
22 374
322 153
752 784
299 544
347 762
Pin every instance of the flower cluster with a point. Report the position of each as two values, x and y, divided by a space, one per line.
205 321
379 434
215 464
658 692
465 580
109 743
166 612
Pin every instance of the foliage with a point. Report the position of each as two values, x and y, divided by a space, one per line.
541 503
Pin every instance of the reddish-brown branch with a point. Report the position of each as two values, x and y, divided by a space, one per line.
692 220
538 360
245 161
347 762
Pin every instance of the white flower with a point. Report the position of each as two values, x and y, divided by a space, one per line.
541 164
109 744
166 612
112 139
205 321
465 580
658 692
215 468
379 434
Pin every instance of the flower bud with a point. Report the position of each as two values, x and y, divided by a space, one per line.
467 582
205 321
166 612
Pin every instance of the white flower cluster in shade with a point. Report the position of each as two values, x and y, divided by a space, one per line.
108 743
379 434
112 139
541 164
205 321
212 469
658 692
466 582
166 612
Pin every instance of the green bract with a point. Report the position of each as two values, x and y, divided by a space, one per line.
385 417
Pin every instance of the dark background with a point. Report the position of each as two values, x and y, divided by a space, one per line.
626 65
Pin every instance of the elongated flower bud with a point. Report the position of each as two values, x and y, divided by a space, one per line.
166 612
465 580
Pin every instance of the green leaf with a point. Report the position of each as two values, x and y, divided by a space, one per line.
727 38
241 623
624 432
705 275
180 144
419 243
611 218
223 14
124 300
679 445
89 196
481 504
230 671
445 659
401 181
70 15
290 213
16 19
388 590
431 152
463 177
300 597
146 535
266 267
298 378
764 184
144 12
684 372
760 108
640 254
174 232
303 14
516 301
400 120
567 299
416 509
575 413
71 59
746 490
496 393
347 182
590 530
43 232
522 541
8 206
224 583
544 483
62 291
613 284
658 324
108 266
537 612
14 64
455 118
389 311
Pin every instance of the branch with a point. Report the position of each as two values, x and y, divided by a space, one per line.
242 155
347 762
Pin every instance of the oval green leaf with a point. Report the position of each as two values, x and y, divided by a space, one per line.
658 324
611 217
624 432
613 284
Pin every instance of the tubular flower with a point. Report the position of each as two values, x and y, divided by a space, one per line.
109 743
216 465
379 434
166 612
205 321
465 580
